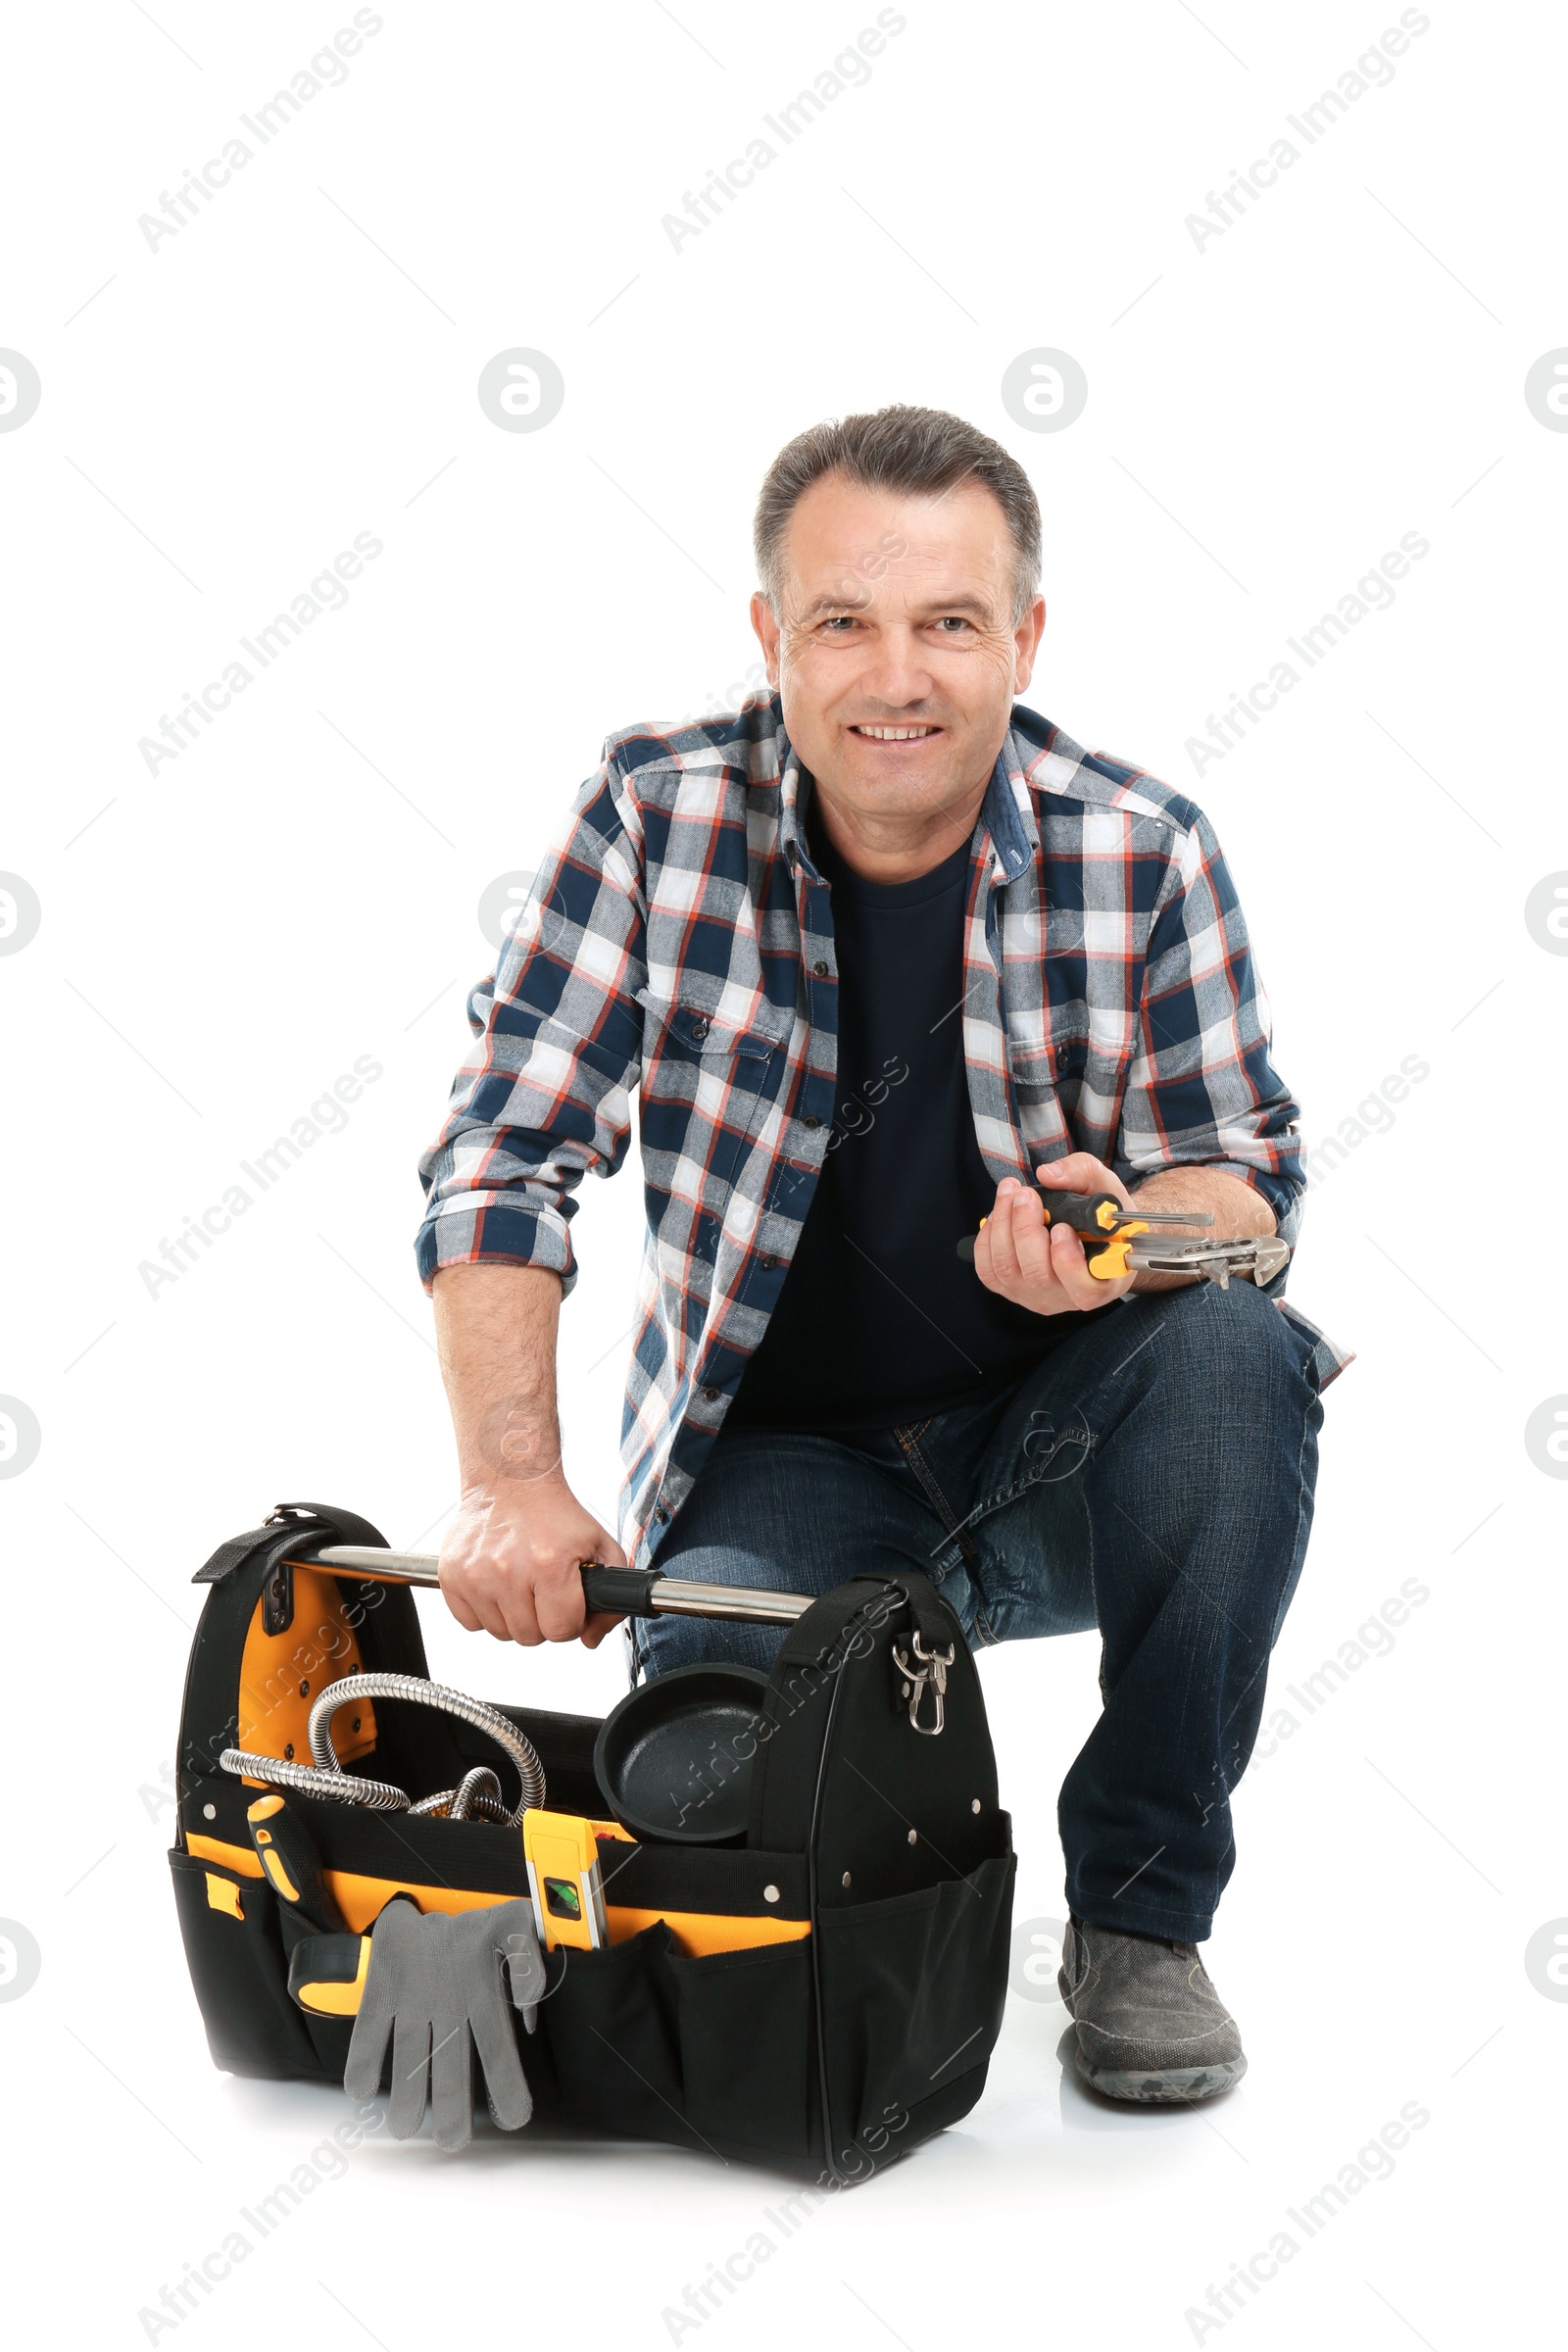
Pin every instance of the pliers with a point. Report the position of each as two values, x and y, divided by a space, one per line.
1111 1237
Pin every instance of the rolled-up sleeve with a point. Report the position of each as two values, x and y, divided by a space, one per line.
546 1093
1202 1091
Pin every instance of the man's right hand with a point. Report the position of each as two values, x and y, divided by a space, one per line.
509 1562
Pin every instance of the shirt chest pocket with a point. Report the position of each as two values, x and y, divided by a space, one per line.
1046 1064
705 1082
685 1037
1070 1090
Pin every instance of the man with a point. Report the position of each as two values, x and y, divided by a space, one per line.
878 950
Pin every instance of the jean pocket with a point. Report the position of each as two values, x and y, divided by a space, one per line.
1050 1450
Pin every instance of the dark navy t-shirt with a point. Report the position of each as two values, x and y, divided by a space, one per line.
879 1319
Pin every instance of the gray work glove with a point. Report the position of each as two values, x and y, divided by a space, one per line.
435 1986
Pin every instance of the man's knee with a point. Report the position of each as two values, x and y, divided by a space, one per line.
1230 1339
662 1645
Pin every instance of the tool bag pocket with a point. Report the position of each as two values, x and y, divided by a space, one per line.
236 1954
912 1990
712 2051
610 2030
746 2046
329 2036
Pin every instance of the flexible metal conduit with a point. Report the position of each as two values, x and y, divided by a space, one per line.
522 1753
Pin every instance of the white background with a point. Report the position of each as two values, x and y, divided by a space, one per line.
1266 415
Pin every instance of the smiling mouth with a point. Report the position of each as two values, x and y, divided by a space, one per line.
870 734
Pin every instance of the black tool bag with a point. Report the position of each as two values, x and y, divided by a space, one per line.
821 1998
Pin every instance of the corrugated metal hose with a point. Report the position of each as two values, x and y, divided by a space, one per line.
477 1796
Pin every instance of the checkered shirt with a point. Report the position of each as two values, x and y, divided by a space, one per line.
678 940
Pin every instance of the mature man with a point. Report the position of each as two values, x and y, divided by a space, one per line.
879 949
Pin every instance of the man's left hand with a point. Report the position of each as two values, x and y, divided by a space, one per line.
1042 1266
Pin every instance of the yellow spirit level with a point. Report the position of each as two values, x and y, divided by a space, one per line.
569 1895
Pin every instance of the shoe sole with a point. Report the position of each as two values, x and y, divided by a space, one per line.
1170 2086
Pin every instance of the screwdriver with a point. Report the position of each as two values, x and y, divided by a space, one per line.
1102 1221
286 1852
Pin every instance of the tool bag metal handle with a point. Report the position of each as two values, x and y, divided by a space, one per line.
622 1591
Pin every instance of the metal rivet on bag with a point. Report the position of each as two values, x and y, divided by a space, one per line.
208 1812
914 1836
355 1724
288 1751
974 1804
770 1894
304 1689
844 1881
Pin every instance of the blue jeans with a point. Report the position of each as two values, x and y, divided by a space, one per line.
1153 1477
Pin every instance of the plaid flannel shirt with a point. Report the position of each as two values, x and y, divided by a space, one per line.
679 939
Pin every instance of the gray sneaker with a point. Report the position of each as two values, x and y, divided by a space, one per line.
1150 2025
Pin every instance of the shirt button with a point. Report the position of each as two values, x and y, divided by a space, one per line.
812 1122
768 1264
710 1395
698 1031
661 1514
820 969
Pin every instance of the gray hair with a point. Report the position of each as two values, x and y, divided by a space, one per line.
923 451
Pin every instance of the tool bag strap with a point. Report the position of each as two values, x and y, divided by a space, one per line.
934 1621
292 1527
899 1597
289 1526
254 1569
863 1615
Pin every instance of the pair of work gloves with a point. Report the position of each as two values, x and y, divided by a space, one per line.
440 1989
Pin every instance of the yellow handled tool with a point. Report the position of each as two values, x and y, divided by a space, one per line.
564 1878
290 1863
327 1974
1108 1230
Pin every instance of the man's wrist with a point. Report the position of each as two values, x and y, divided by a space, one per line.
482 1486
515 1441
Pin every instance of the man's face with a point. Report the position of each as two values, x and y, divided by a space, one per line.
896 655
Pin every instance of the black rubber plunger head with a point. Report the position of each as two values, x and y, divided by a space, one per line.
673 1761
